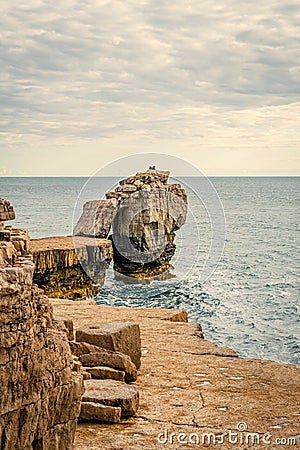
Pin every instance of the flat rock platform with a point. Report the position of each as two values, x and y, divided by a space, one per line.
192 391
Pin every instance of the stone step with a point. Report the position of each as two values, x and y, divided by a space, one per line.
95 412
93 356
112 393
104 373
122 337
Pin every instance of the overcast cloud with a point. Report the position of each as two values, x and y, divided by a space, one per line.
150 75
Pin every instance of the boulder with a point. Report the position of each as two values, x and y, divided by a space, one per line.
112 393
95 412
121 337
91 355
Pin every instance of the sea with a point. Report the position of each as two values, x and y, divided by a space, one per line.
249 297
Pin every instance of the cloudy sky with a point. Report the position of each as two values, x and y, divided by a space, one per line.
86 82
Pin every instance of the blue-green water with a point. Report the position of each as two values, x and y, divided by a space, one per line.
251 301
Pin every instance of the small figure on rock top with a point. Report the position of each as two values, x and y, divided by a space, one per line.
152 168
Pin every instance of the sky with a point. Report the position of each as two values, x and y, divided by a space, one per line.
84 83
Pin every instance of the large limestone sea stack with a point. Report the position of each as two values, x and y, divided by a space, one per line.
141 217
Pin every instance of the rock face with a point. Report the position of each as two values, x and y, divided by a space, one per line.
40 392
66 269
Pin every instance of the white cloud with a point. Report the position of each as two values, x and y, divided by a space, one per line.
160 70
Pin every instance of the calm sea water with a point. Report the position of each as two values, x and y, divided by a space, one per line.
250 302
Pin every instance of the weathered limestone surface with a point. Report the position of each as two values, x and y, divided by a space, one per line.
105 370
190 385
115 336
65 268
40 393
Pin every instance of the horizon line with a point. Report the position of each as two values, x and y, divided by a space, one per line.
118 175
